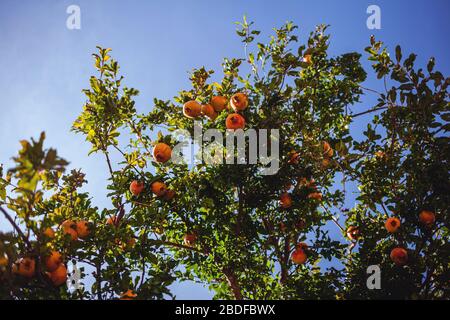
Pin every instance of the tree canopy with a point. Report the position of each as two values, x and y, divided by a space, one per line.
244 234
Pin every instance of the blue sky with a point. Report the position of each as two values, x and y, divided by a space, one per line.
44 66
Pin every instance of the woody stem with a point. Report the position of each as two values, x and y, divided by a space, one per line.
16 227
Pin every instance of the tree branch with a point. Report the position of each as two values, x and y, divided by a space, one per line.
232 281
368 111
181 246
16 227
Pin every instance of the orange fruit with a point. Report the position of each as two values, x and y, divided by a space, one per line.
427 217
399 256
301 246
159 188
59 275
129 244
219 103
128 295
162 152
353 233
294 158
307 58
136 187
192 109
111 220
53 261
392 224
285 200
25 267
83 229
208 111
239 101
235 121
70 227
49 233
306 183
380 154
298 256
169 195
325 163
327 150
315 196
3 260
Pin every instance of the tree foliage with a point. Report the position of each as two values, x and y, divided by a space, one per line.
241 239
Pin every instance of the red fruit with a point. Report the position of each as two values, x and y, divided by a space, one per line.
53 261
427 217
70 227
159 188
392 224
285 200
399 256
192 109
190 239
235 121
24 267
83 229
162 152
219 103
59 275
136 187
239 101
298 256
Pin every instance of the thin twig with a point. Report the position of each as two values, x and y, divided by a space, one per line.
368 111
181 246
336 222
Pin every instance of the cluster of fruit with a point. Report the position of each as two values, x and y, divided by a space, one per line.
399 255
55 267
238 102
299 255
285 197
310 185
158 188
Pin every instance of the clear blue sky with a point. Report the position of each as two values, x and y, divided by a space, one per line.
44 66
